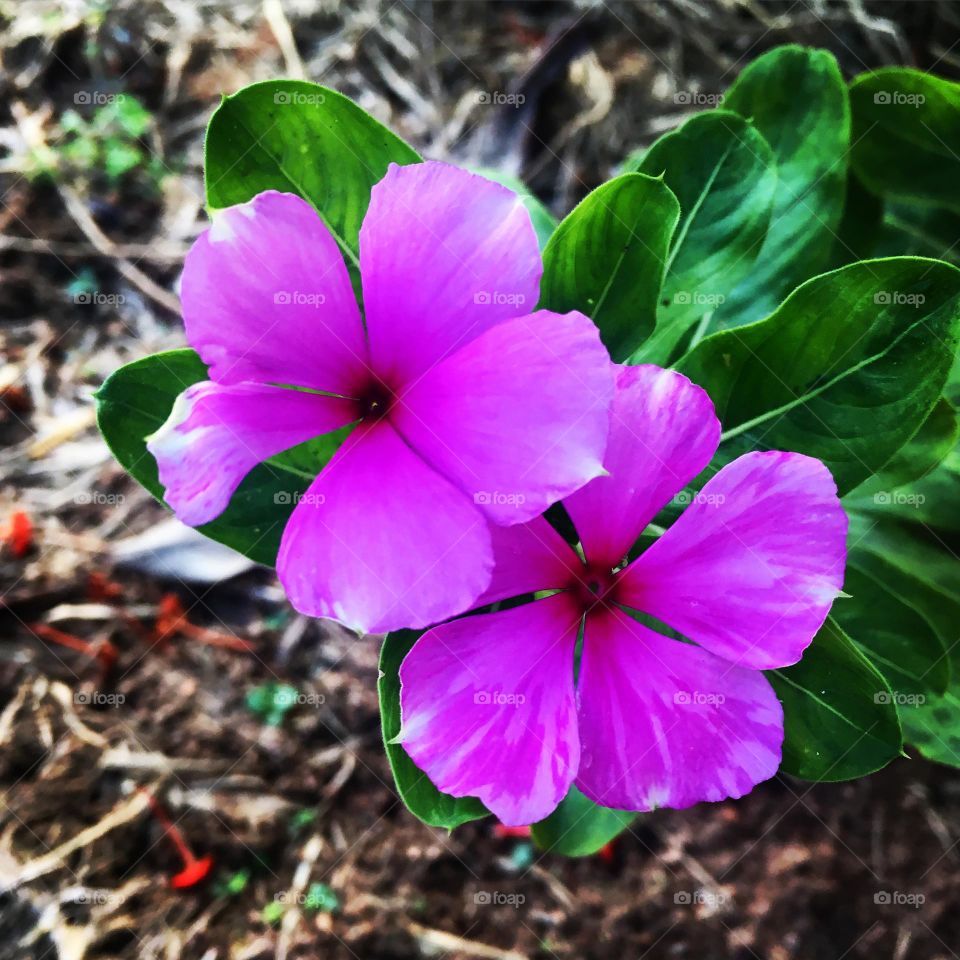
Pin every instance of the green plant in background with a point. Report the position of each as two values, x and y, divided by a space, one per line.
789 251
271 702
109 143
272 912
321 898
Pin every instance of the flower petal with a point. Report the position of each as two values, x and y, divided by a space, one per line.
518 418
663 432
381 542
665 724
215 435
528 557
444 255
267 298
487 707
750 569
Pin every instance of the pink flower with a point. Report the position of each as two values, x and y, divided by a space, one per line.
493 705
470 410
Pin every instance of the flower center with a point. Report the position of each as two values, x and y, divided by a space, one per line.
375 401
595 585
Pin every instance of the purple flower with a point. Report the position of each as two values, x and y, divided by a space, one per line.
470 410
493 706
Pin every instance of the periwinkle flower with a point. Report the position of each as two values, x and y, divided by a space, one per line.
470 410
497 706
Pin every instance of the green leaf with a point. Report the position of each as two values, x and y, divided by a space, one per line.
321 898
920 565
896 639
921 570
933 727
797 100
846 370
839 713
300 138
862 221
724 175
931 500
606 259
272 701
915 230
135 401
926 450
419 795
544 222
906 135
579 827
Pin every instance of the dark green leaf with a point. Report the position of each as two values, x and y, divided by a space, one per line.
897 639
579 827
300 138
921 565
839 712
136 400
857 233
419 795
606 259
922 570
922 453
906 135
797 99
724 175
933 727
919 231
846 370
933 500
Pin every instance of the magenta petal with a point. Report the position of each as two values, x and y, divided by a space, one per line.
519 417
444 255
267 298
381 542
528 557
487 707
750 569
215 435
663 432
665 724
